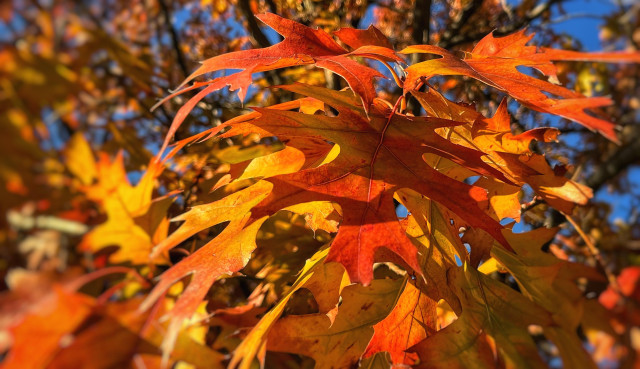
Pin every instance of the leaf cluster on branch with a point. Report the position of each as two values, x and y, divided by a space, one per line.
363 234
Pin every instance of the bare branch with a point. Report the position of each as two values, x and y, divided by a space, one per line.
175 41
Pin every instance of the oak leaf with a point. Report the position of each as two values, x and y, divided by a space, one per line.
495 62
551 283
301 45
338 343
225 254
326 282
490 332
124 205
508 153
380 152
411 320
49 326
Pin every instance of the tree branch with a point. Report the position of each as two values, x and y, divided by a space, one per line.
421 21
625 156
420 35
258 37
460 38
175 41
454 29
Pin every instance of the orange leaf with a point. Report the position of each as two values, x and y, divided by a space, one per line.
378 155
494 61
412 320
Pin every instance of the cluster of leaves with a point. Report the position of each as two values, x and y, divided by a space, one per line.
306 215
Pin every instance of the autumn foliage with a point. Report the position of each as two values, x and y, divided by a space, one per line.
294 250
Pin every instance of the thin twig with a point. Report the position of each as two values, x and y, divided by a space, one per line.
175 41
595 253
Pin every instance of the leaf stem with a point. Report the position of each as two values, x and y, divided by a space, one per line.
393 73
595 253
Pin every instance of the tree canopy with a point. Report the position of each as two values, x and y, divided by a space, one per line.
319 184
